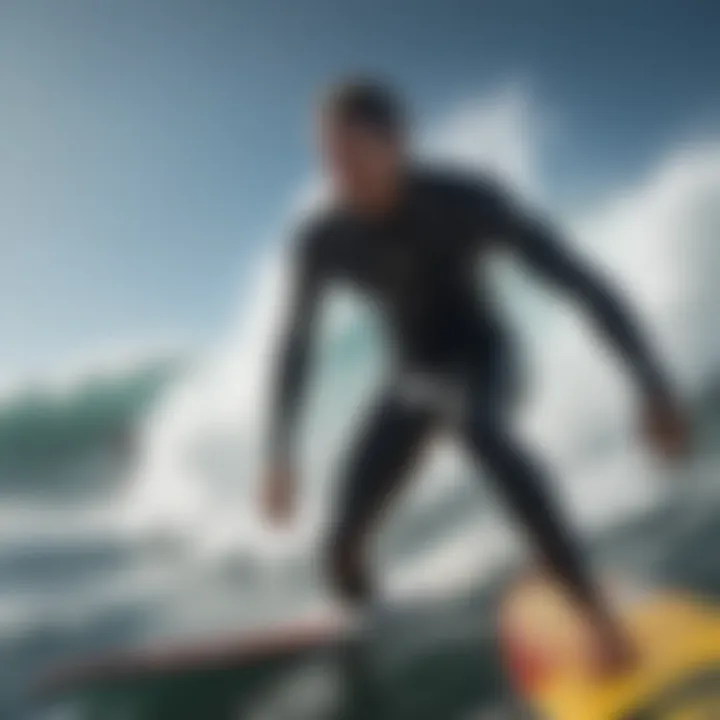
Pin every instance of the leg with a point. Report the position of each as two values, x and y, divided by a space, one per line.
373 471
525 488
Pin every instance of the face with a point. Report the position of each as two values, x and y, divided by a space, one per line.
364 166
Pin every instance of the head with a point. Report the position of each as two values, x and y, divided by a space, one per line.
363 143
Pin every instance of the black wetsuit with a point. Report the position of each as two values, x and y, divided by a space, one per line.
419 264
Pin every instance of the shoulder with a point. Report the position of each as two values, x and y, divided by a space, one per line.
479 203
457 187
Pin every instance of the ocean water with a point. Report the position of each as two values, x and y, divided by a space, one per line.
77 579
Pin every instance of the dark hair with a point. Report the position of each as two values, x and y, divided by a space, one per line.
367 103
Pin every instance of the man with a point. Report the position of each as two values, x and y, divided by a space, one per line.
411 240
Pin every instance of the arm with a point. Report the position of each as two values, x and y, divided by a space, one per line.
292 364
541 250
538 246
664 423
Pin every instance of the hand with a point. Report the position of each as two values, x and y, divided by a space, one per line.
666 428
279 494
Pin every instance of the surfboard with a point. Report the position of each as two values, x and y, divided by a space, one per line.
418 658
546 647
244 675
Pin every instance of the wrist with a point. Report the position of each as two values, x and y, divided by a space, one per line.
280 461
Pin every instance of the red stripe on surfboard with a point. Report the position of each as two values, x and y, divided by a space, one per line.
251 647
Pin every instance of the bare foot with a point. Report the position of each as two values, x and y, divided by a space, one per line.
613 654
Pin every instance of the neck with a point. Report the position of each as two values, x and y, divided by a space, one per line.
385 198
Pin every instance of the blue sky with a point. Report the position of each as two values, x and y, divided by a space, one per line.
149 147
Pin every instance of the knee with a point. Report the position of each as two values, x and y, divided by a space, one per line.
346 567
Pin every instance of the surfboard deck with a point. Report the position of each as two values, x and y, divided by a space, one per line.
677 676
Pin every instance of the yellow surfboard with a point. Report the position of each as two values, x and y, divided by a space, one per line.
677 676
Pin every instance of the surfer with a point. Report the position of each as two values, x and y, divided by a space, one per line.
411 238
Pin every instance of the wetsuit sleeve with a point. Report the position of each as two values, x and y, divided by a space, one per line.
538 245
294 349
